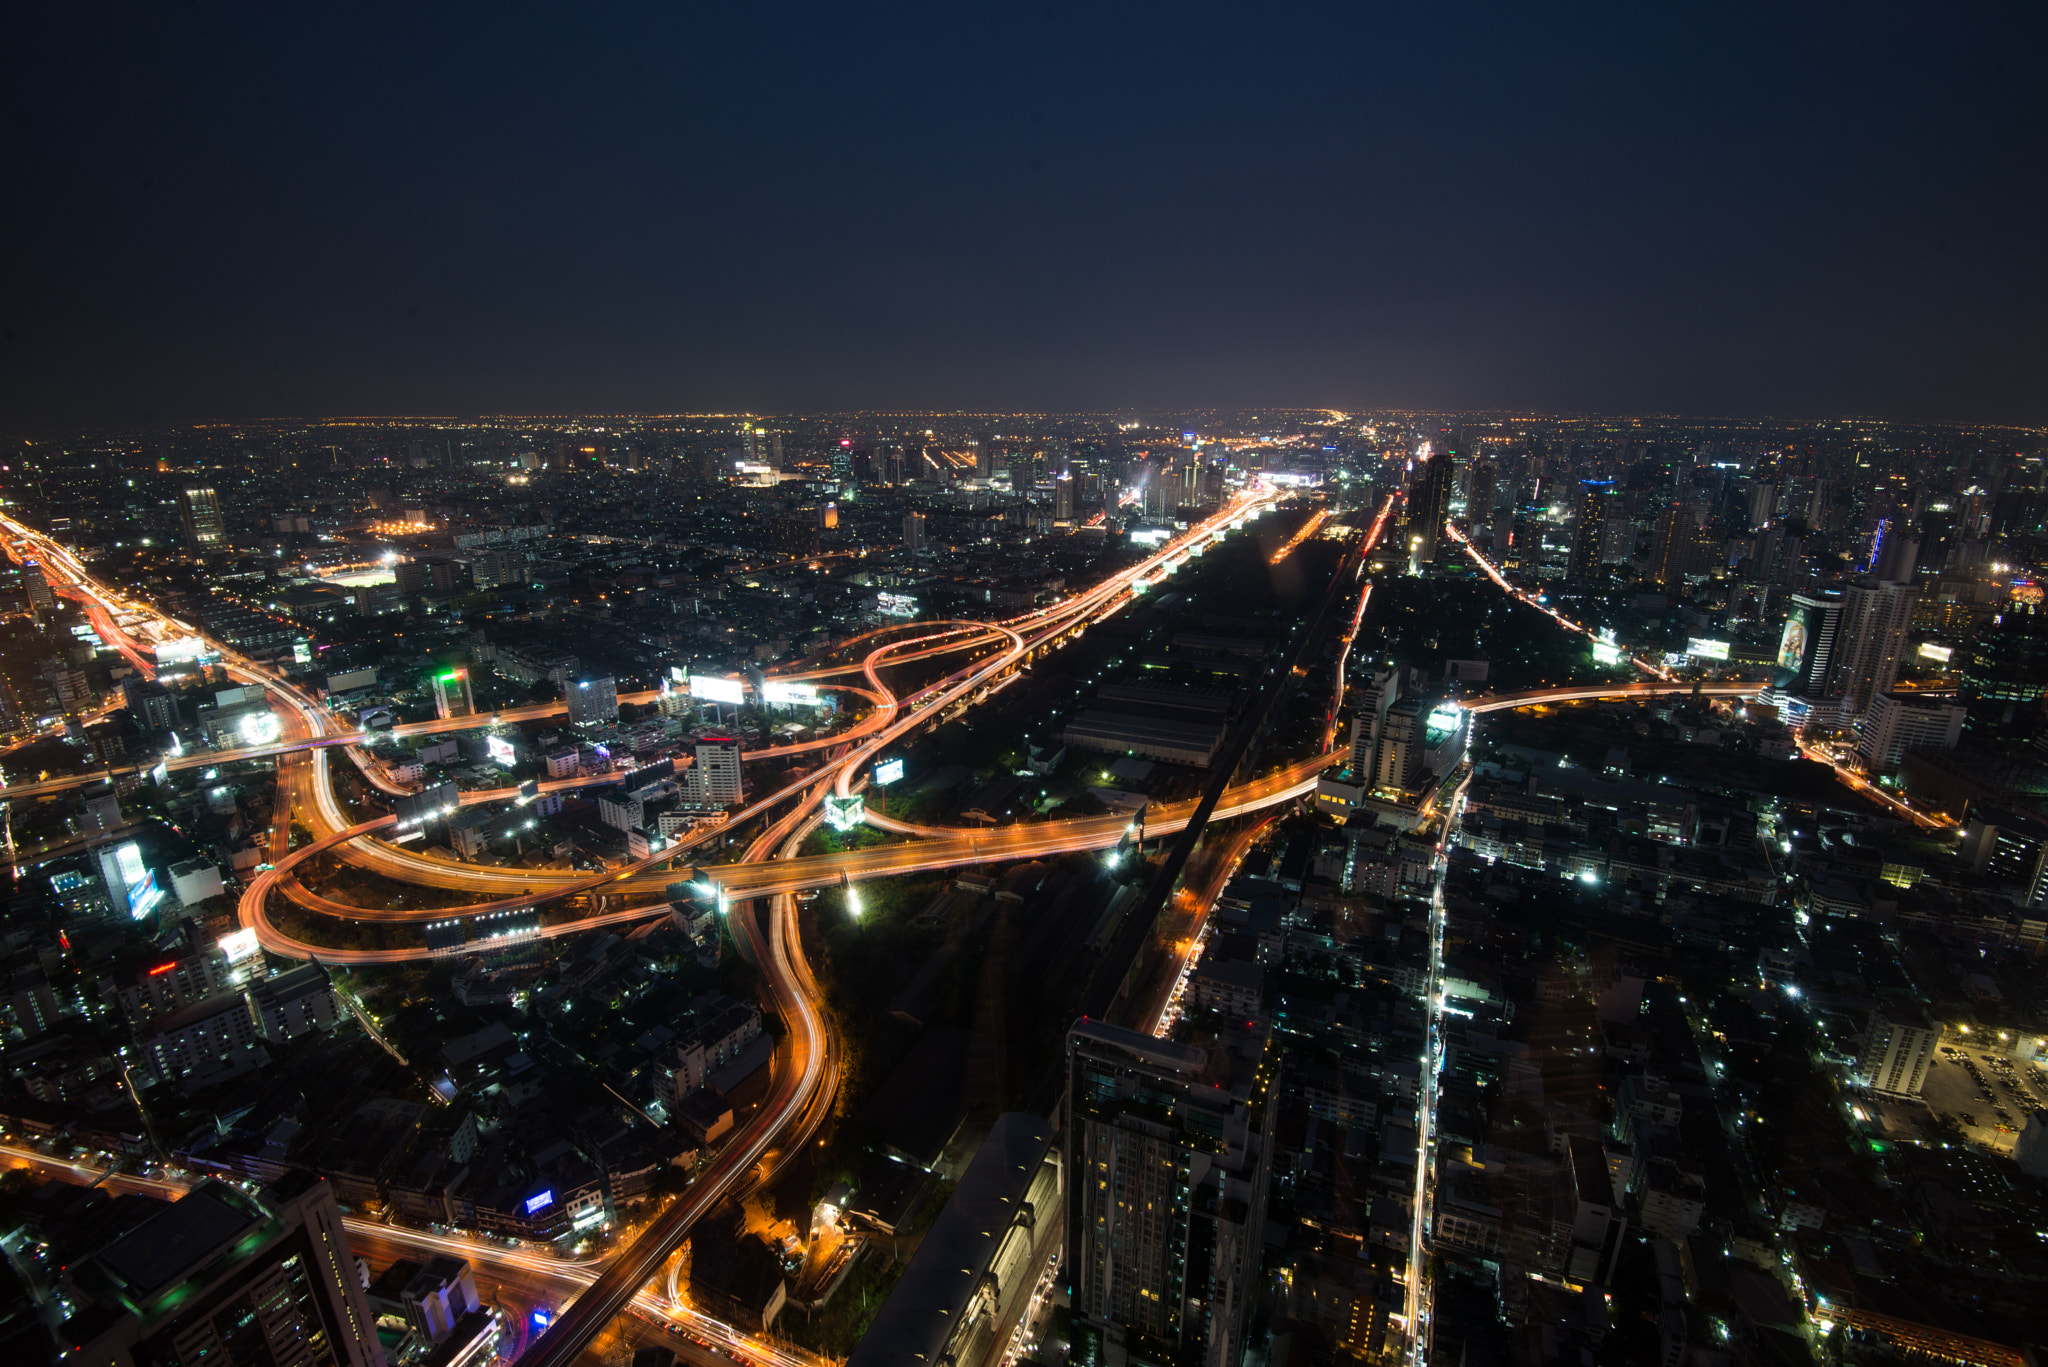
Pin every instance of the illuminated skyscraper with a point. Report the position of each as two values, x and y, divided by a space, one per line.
199 512
1166 1200
1592 526
1063 498
914 532
38 586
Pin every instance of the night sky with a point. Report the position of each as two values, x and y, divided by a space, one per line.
290 210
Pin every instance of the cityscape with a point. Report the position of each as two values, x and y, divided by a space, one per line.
1023 686
1068 889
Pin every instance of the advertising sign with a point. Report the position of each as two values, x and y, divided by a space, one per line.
182 650
1939 654
139 882
500 750
540 1202
844 813
887 772
711 689
790 694
1702 649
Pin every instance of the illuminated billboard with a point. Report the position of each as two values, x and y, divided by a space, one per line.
1701 649
1939 654
887 772
679 674
541 1202
500 751
182 650
1808 641
844 813
790 694
137 884
238 945
709 689
1606 653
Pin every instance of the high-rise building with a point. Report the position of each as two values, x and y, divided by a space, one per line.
1063 498
592 701
1480 480
222 1276
1898 722
452 697
1166 1200
38 586
1591 528
1399 762
199 513
1806 650
717 773
1872 641
1429 504
1023 472
914 532
1671 546
1897 1053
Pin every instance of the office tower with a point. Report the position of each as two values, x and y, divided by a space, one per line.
452 697
1157 503
891 457
914 533
1430 504
1063 498
982 446
1872 641
1023 472
1671 547
1897 555
718 775
2008 662
1058 457
592 701
1806 649
1899 722
38 585
1166 1200
1590 529
1762 501
1480 480
222 1276
199 512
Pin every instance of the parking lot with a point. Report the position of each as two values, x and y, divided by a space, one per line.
1988 1092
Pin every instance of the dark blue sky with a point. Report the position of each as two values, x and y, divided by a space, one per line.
277 210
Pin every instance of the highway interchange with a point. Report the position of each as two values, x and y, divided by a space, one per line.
804 1072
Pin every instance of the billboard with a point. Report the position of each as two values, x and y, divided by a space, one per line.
1606 652
679 674
1701 649
347 680
500 751
790 694
887 772
844 813
541 1202
1807 641
238 945
181 650
138 884
717 690
1939 654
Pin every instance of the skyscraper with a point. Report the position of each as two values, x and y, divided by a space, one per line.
1063 498
914 532
1166 1200
1671 547
1591 527
221 1276
1431 503
1872 641
199 512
